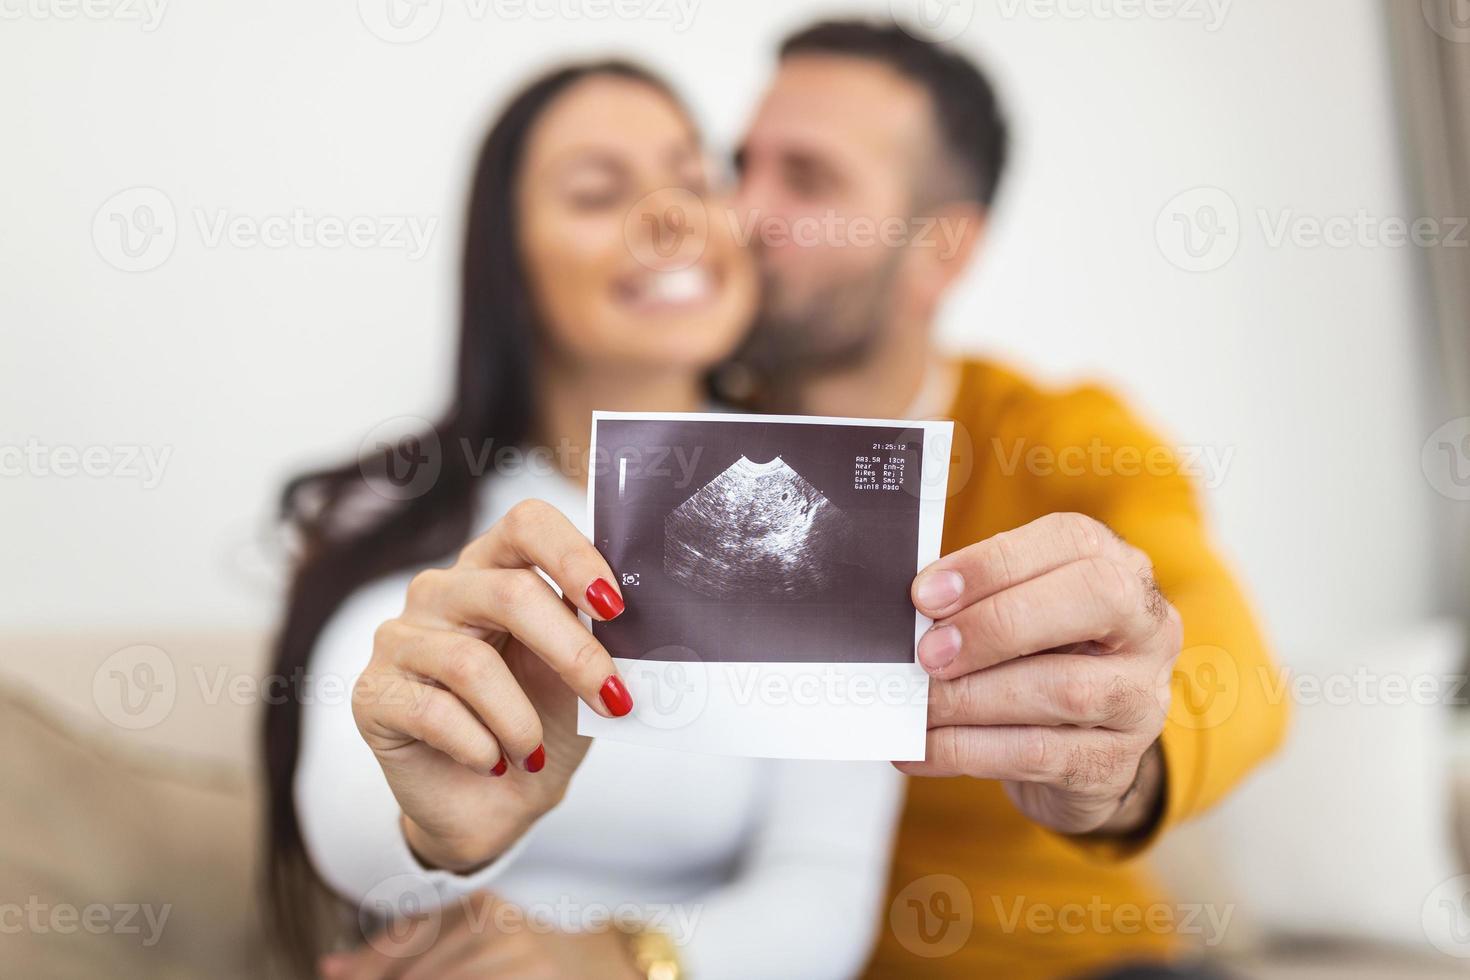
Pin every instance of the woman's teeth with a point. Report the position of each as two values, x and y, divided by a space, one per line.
678 287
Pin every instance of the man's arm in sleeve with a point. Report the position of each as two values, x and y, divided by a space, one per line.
1228 711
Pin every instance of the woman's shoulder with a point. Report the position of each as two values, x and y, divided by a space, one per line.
346 641
349 630
532 480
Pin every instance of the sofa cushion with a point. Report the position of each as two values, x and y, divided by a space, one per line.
187 692
118 861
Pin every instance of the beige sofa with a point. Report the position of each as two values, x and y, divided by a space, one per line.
119 811
152 832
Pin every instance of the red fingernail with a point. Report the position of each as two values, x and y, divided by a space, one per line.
536 759
615 695
500 766
604 599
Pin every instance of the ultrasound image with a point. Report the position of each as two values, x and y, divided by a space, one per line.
758 530
754 541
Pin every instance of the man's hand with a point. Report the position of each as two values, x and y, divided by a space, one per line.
1072 734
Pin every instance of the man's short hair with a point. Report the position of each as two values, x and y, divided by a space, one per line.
966 111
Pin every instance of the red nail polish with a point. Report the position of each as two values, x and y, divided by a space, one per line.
615 695
500 767
604 599
536 759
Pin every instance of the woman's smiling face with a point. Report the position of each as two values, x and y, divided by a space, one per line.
629 261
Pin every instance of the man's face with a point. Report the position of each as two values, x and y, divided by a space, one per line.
828 172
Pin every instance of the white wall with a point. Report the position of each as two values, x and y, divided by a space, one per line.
247 362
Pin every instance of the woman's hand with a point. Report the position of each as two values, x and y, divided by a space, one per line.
482 938
469 701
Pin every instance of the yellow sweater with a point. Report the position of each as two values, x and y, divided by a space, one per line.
977 889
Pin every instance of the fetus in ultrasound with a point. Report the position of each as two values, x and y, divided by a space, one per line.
756 531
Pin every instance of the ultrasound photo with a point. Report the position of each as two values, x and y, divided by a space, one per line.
761 540
758 530
766 563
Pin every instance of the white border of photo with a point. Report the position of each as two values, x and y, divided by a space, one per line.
784 710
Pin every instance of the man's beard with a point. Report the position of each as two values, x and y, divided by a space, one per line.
833 328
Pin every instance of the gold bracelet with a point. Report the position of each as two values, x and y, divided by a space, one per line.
654 954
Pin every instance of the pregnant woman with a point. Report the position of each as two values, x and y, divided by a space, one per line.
452 782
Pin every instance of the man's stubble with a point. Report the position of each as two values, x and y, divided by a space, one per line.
835 327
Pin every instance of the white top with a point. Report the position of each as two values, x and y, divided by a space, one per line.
756 867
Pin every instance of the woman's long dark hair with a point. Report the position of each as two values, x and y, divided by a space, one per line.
351 535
